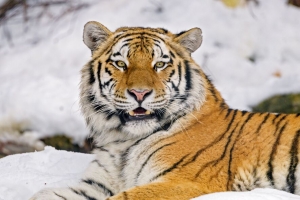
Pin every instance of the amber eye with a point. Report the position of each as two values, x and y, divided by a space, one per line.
159 64
121 64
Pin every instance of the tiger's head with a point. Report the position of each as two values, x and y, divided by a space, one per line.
140 80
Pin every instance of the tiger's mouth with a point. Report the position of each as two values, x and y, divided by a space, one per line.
138 114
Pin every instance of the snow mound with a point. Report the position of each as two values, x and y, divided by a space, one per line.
256 194
22 175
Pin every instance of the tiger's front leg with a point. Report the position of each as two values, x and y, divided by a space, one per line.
98 183
161 191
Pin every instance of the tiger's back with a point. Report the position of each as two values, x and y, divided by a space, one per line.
163 131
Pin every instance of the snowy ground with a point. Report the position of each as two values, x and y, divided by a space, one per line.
250 52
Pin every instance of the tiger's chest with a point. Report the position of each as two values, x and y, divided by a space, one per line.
129 163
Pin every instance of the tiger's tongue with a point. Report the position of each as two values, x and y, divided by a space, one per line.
139 111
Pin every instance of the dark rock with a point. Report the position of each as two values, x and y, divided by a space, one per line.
287 103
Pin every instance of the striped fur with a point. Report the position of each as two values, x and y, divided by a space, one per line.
190 143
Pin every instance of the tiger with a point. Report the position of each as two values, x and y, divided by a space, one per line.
162 130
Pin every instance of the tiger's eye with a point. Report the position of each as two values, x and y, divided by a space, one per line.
159 64
121 64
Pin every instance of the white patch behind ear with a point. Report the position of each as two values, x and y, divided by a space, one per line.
94 34
191 39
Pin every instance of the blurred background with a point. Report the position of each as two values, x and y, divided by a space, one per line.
250 49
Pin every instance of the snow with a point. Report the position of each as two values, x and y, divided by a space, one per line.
250 53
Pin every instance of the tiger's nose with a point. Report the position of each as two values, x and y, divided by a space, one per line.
139 95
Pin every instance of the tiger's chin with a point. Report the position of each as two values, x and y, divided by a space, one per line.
139 122
141 127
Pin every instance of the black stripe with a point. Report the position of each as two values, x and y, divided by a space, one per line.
167 126
92 76
125 196
98 74
276 116
116 54
109 114
100 185
180 33
60 196
278 123
179 74
263 122
244 112
148 158
172 54
106 84
171 74
291 179
231 121
99 80
273 152
164 30
96 105
228 112
298 114
82 193
188 76
161 51
128 40
101 148
107 71
223 105
75 191
170 169
124 45
247 120
100 165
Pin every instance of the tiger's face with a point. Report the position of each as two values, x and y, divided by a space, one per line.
140 80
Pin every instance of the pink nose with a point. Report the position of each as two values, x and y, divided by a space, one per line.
139 94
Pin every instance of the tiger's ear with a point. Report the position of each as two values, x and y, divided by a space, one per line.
94 34
191 39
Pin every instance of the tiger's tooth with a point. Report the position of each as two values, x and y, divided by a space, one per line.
131 113
148 112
